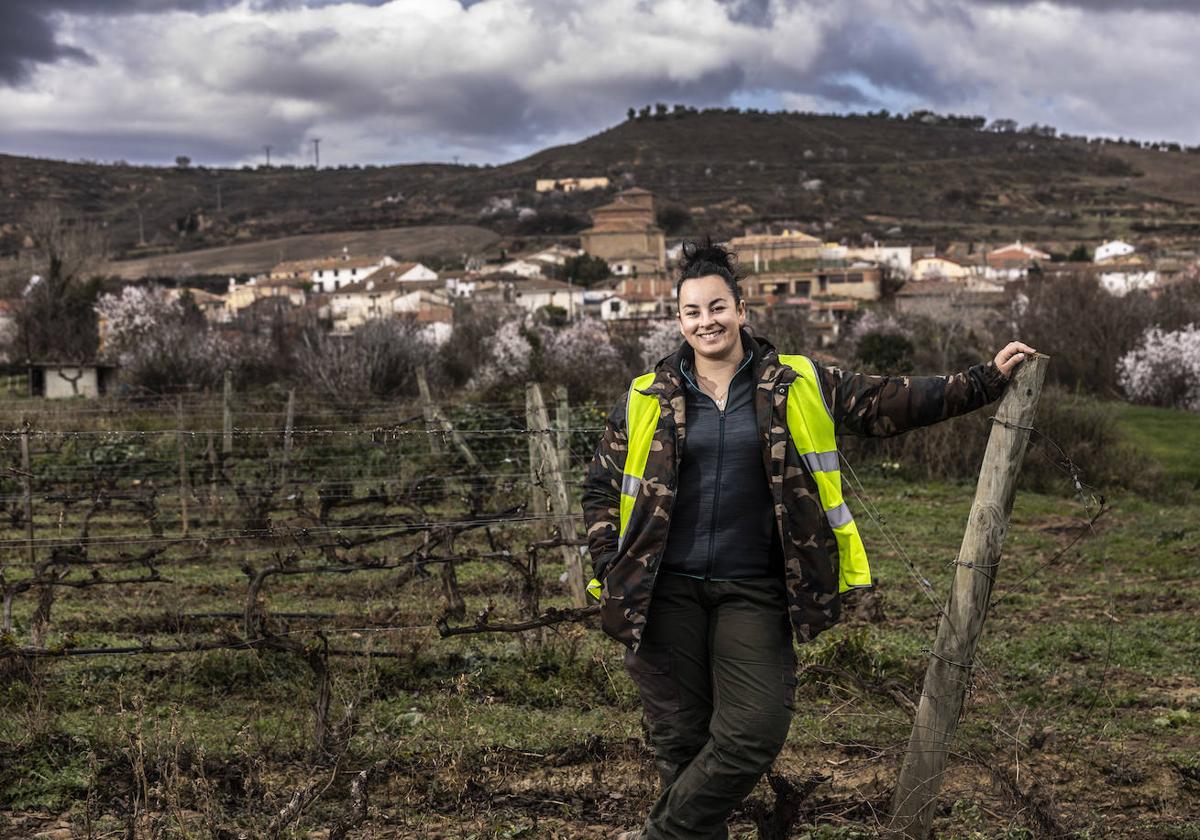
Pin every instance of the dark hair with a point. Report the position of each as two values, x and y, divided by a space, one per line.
707 259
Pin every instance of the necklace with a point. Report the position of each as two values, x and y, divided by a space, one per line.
720 401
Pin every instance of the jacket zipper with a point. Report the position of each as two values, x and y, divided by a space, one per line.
712 529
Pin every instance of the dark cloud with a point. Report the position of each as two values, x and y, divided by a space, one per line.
28 37
858 54
27 29
500 78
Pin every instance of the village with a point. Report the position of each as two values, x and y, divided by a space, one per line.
621 275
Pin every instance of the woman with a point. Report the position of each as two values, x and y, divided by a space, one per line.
715 496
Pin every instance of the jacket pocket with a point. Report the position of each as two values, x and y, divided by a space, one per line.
650 670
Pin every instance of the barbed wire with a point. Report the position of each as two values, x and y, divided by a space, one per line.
977 669
386 431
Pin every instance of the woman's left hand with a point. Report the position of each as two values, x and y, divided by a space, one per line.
1012 355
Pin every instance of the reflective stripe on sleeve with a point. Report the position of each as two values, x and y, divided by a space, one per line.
839 516
821 461
630 485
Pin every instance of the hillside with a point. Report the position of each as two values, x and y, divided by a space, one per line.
852 175
429 243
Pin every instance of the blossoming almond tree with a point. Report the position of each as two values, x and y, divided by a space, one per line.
1164 369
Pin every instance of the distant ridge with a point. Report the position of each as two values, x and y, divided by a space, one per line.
718 172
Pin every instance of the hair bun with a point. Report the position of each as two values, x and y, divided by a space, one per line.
706 259
708 253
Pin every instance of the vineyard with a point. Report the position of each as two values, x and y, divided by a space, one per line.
254 616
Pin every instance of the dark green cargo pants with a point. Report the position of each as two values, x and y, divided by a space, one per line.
717 675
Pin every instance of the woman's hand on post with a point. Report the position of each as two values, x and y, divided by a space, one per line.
1012 355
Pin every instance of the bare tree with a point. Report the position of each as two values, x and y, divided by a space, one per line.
379 359
55 318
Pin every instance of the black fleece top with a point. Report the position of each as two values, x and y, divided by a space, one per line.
723 518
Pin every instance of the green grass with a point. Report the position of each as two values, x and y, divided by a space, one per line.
1169 436
1087 678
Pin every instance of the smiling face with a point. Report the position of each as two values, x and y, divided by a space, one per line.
709 319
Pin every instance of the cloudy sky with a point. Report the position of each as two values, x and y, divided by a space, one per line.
493 80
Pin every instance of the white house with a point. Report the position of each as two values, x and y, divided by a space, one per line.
1112 250
239 296
556 255
1013 261
940 268
532 295
571 184
353 305
456 287
623 268
522 268
897 257
405 272
428 304
613 308
329 275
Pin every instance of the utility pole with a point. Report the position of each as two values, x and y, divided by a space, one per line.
267 148
141 226
218 196
317 151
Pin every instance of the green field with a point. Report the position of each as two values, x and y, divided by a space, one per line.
1171 438
1083 719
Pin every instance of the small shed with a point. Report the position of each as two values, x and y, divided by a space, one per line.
62 380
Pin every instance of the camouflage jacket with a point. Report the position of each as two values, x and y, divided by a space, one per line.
861 405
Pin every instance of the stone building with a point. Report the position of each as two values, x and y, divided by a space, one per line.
789 244
624 234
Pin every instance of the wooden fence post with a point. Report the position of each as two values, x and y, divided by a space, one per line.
214 497
555 487
183 476
227 415
288 423
456 607
562 421
537 493
961 624
27 492
427 408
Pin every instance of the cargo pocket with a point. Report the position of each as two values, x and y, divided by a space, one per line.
788 656
789 689
650 670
